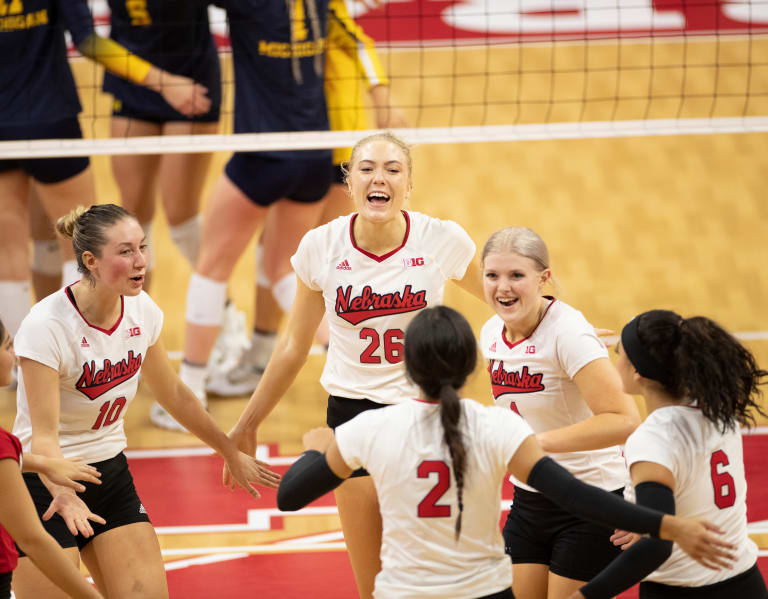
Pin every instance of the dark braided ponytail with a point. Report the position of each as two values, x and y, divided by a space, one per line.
705 363
440 352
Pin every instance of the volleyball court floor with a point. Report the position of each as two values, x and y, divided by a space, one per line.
225 544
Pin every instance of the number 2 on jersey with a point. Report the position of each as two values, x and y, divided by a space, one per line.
109 412
723 484
393 346
429 508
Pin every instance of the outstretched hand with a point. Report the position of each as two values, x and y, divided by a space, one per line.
701 540
74 512
245 471
66 472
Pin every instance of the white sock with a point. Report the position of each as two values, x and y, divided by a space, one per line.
262 280
69 273
186 237
193 375
262 346
46 258
147 228
15 302
284 291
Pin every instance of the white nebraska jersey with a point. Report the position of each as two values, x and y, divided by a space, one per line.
709 484
402 447
370 300
534 377
98 370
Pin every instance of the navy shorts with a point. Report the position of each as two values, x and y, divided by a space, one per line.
343 409
267 180
747 585
538 531
45 170
161 112
115 500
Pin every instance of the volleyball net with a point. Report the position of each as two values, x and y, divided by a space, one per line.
506 70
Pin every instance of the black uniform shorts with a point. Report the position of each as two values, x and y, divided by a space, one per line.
115 500
343 409
538 531
266 180
45 170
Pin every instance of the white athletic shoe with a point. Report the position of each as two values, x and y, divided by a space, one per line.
241 380
231 342
160 417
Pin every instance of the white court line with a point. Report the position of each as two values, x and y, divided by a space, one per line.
254 549
206 559
262 453
337 535
257 520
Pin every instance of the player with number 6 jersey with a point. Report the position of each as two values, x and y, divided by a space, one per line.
700 386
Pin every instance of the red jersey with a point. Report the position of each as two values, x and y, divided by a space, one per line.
10 447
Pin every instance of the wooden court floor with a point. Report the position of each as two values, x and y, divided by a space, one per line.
632 224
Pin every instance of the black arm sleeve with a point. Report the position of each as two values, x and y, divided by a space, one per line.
589 502
309 478
643 557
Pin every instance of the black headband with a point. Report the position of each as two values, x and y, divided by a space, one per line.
645 364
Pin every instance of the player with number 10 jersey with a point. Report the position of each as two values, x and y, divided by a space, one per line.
98 370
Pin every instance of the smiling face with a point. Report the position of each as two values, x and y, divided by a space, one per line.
512 285
7 359
379 180
123 261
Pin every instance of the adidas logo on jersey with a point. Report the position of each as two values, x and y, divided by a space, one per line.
84 343
493 347
142 509
343 265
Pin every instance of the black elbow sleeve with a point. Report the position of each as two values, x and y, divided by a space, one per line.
307 479
589 502
637 562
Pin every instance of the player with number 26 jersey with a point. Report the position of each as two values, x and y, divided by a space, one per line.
98 370
373 298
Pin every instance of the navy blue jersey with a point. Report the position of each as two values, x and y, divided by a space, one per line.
278 85
36 83
173 35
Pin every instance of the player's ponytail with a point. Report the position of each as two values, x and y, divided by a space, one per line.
440 352
87 228
696 359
